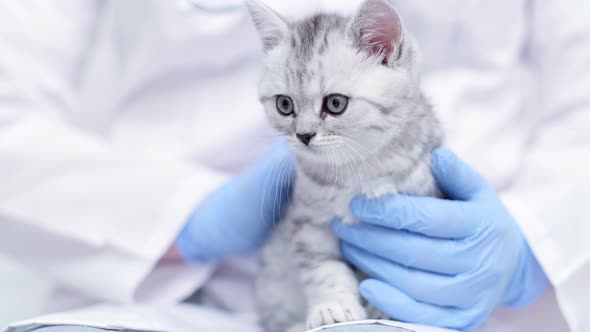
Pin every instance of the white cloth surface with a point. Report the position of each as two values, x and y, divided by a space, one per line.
180 318
185 317
116 117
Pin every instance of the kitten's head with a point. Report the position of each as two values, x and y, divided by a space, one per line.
334 84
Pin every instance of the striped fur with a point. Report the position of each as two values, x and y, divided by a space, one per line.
381 144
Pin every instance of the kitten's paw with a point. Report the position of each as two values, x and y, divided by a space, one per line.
374 313
330 312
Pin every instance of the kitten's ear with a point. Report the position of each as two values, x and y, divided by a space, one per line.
377 30
270 25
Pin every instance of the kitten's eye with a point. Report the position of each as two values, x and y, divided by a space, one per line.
285 105
335 104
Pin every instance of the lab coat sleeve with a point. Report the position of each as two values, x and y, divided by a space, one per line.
91 215
550 196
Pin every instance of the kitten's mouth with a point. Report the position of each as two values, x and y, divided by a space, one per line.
309 150
316 150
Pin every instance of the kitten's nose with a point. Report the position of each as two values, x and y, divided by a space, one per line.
305 138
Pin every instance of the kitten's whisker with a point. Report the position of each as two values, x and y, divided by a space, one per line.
268 187
330 172
350 172
363 160
340 171
284 177
341 167
274 187
365 163
282 180
371 154
366 167
266 184
331 164
338 162
360 178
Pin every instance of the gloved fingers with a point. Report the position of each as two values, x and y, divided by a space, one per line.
403 307
455 178
429 216
423 286
406 249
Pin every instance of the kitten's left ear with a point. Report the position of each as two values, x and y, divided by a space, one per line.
270 25
377 30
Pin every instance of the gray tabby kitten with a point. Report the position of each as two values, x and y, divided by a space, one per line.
345 92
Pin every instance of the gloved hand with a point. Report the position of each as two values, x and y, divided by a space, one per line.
237 217
442 262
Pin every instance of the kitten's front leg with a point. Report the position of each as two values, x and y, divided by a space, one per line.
330 286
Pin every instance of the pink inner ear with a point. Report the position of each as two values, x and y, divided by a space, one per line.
379 28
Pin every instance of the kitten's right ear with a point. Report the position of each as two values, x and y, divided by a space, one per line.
270 25
377 30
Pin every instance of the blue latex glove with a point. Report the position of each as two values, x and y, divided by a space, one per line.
442 262
237 217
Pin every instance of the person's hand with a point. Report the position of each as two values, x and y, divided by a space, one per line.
237 217
443 262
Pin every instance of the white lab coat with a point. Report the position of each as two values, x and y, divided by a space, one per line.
116 117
